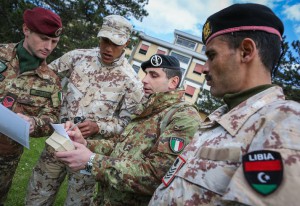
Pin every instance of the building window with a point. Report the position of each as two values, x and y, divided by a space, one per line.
189 91
203 49
198 69
144 48
186 43
160 52
136 68
181 58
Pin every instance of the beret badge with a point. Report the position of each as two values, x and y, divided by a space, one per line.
206 30
156 60
58 32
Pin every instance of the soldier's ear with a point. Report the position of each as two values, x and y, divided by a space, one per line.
26 30
248 50
173 82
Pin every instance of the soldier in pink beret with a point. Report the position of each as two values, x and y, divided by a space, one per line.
28 87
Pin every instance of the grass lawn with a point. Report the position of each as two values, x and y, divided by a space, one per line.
29 158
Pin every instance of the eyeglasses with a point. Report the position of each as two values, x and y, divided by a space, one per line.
75 120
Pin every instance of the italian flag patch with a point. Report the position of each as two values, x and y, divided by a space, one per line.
176 144
60 96
263 170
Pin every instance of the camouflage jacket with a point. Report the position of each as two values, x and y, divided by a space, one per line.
213 170
36 95
130 167
107 95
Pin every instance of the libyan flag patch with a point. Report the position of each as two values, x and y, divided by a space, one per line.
176 144
263 170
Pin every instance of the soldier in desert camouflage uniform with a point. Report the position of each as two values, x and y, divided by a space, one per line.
130 166
103 87
27 86
247 151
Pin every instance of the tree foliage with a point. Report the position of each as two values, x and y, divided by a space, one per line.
288 74
81 19
207 103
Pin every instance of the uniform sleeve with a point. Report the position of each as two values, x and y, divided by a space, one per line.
101 146
63 65
239 190
128 106
48 113
280 133
143 174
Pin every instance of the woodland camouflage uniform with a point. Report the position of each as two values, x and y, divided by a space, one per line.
129 167
36 94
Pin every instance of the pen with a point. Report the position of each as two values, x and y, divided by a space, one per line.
80 121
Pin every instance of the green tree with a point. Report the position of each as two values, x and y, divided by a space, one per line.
288 74
81 19
207 103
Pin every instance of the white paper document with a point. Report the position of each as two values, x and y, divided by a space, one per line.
59 128
13 126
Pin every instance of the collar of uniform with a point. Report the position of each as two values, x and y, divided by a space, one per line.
27 62
42 71
161 100
233 120
116 62
232 100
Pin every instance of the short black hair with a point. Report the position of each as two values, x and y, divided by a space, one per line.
173 73
268 45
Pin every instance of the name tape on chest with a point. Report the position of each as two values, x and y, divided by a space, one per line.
40 93
263 171
169 177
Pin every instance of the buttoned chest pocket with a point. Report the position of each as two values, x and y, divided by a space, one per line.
106 104
30 104
229 154
73 94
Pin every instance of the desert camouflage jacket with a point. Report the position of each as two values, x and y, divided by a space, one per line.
131 166
234 157
35 94
105 94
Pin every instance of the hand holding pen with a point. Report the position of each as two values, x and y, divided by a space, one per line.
77 123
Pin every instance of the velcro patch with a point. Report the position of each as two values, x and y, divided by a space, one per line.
2 77
2 66
40 93
176 144
9 100
178 163
263 170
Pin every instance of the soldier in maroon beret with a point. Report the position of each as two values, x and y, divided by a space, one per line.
28 87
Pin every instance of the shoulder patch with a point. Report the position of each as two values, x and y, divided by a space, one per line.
176 144
9 100
178 163
263 170
2 66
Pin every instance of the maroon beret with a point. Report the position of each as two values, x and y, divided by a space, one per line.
43 21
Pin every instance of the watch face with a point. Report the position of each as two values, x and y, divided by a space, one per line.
88 168
89 164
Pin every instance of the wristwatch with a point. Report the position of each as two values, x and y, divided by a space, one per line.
89 164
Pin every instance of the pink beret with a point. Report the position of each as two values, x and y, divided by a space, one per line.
43 21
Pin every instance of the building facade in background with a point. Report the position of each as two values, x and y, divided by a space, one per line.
187 48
